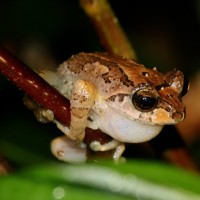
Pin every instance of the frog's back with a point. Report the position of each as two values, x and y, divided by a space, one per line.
109 73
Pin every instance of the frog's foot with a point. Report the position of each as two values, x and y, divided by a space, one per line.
97 146
117 156
113 144
42 115
69 134
68 150
63 128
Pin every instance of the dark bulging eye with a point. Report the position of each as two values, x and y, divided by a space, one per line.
186 85
145 100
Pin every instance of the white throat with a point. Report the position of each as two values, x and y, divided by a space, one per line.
124 129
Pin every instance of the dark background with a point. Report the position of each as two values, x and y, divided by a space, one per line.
165 34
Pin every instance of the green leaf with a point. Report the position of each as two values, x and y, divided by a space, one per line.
132 180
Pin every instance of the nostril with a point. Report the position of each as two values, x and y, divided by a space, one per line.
178 117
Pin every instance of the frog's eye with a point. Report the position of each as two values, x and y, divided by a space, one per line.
145 100
186 85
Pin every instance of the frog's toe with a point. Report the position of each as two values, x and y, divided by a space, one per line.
97 146
68 150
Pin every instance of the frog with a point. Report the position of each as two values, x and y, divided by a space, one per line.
119 96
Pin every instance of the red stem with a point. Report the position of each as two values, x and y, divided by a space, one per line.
34 86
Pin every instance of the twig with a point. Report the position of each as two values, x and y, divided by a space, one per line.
108 28
34 86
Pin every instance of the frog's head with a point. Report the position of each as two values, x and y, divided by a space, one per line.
154 100
161 103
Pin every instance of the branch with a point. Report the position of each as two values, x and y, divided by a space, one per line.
108 28
34 86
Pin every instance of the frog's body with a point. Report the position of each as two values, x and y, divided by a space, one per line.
119 96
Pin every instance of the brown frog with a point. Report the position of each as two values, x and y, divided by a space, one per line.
120 97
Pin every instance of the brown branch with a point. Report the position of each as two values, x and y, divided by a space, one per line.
181 157
108 28
34 86
5 167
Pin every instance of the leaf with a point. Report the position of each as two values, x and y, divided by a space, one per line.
132 180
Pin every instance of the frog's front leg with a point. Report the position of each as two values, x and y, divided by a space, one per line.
71 148
82 100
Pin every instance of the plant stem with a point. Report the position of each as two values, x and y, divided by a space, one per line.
34 86
108 28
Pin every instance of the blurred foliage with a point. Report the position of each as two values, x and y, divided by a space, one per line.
164 34
133 180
